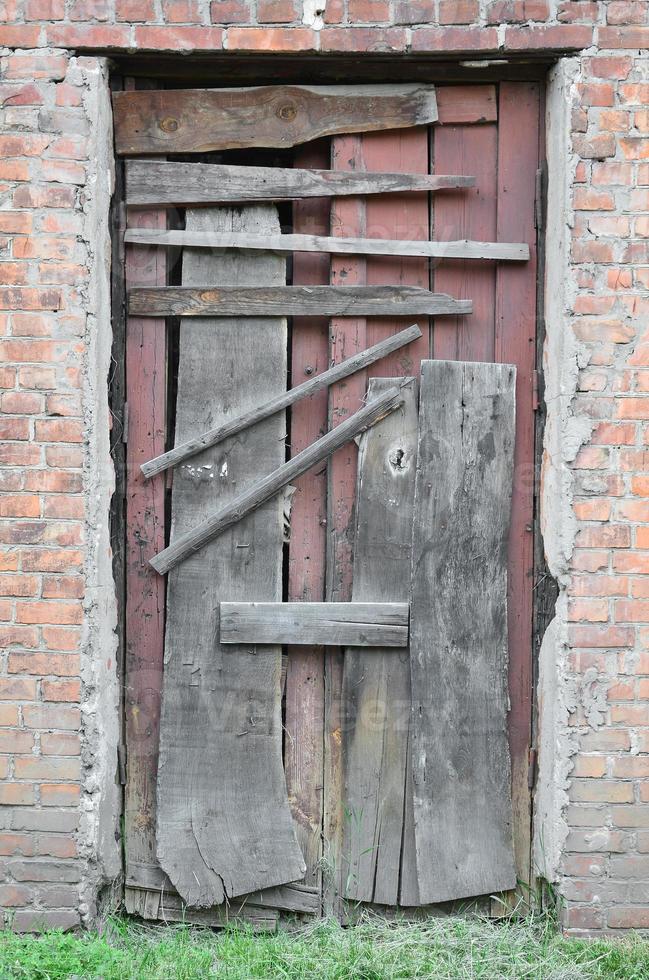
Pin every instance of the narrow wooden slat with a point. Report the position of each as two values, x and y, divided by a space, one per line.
376 682
305 677
248 501
501 251
233 426
515 307
224 826
151 184
358 624
471 104
202 120
250 301
458 630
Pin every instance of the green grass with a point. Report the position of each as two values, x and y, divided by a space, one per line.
439 949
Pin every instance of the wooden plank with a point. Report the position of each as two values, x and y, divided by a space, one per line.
458 630
224 826
203 120
501 251
287 398
376 681
359 624
149 183
248 501
467 104
304 697
252 301
145 362
515 307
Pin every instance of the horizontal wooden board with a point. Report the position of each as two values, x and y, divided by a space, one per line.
202 120
502 251
233 426
358 624
244 301
151 183
249 500
467 104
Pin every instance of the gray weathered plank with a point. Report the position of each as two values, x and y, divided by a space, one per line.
502 251
251 301
233 426
224 826
151 183
202 120
249 500
458 630
376 682
316 623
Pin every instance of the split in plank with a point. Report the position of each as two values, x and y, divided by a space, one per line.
357 624
202 120
187 544
244 301
150 183
501 251
232 427
458 630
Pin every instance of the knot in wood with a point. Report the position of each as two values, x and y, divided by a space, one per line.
169 124
287 111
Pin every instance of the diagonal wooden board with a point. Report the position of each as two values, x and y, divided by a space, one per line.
202 120
224 826
458 630
376 682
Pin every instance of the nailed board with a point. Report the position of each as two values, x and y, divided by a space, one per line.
224 826
202 120
316 623
458 630
376 681
251 301
151 183
503 251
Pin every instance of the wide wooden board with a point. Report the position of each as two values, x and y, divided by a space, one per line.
253 301
458 630
361 624
150 183
376 681
202 120
224 826
501 251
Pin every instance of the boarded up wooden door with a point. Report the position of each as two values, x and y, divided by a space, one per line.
494 133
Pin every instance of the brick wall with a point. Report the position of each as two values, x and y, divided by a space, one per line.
600 771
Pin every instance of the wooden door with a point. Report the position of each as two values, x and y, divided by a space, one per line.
494 133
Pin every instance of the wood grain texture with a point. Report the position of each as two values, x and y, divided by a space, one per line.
248 501
458 630
253 301
376 682
462 104
501 251
230 428
203 120
304 697
224 826
358 624
150 184
146 356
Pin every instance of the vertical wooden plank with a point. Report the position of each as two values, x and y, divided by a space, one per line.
224 825
304 702
458 630
146 366
518 160
376 683
469 213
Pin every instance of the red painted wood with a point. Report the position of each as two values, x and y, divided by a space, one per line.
466 214
304 720
518 159
466 104
146 381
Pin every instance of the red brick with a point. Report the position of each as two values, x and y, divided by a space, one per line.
60 665
458 11
13 896
632 408
631 611
626 12
610 536
628 917
88 36
631 767
61 690
517 11
52 560
285 11
135 11
45 10
600 791
631 816
37 377
14 429
60 794
589 766
570 11
59 613
629 714
555 37
623 37
181 11
455 39
20 505
56 845
58 430
60 637
12 843
49 716
614 434
587 200
21 403
19 585
230 11
17 689
604 66
8 715
173 38
16 740
63 506
19 36
38 767
14 222
16 794
600 636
